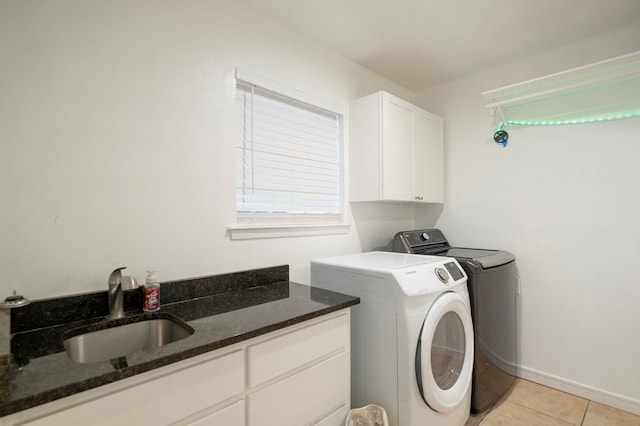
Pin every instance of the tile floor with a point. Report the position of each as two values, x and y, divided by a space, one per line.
531 404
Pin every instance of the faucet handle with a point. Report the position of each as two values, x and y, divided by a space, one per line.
129 282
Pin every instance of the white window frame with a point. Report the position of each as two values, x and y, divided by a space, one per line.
261 225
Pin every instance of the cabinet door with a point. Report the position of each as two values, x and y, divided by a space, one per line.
428 157
278 356
162 400
305 397
397 150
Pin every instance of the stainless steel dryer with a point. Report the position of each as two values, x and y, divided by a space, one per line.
492 289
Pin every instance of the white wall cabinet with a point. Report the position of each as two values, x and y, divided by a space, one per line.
294 376
396 151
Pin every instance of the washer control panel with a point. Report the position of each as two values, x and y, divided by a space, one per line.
454 270
421 279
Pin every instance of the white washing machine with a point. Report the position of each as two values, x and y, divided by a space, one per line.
411 334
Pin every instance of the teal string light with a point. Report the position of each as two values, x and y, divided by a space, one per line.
571 121
501 136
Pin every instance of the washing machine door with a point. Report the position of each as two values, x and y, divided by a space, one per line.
444 357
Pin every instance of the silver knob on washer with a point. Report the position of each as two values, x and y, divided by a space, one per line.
442 274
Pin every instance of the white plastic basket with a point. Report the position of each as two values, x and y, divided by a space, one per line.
370 415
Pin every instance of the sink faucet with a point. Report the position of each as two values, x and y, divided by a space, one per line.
115 294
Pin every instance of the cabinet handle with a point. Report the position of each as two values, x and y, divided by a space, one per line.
419 198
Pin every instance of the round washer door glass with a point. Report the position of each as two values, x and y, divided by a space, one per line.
447 350
444 357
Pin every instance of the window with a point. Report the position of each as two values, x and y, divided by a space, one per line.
288 160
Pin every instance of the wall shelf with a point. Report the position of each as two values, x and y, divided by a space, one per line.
601 91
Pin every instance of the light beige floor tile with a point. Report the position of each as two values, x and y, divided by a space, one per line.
555 403
475 419
602 415
507 413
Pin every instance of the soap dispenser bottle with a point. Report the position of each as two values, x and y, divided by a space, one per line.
151 289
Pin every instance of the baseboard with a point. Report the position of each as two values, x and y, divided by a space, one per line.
588 392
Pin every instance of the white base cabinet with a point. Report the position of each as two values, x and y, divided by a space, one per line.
396 151
305 398
295 376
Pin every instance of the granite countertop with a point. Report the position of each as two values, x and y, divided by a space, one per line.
222 309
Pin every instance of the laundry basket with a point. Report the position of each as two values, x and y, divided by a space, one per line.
370 415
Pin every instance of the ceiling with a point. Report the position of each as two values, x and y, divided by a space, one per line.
421 43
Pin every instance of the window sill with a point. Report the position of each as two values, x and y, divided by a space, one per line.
283 231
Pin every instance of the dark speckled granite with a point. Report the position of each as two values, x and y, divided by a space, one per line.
64 310
222 310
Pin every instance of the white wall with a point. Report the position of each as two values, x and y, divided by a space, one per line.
566 201
116 129
117 140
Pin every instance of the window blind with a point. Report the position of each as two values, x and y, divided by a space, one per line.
288 162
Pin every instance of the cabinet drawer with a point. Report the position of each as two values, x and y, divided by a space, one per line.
304 397
275 357
161 400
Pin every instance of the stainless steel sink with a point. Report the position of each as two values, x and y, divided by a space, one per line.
110 340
